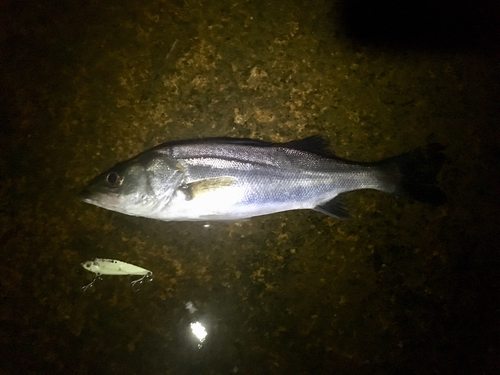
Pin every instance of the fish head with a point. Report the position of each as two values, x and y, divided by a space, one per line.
139 186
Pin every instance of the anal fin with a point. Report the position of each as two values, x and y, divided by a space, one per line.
335 207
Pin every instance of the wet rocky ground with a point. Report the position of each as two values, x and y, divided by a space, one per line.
399 288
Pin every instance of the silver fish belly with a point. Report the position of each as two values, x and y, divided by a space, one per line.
232 179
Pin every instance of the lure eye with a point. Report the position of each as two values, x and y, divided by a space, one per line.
113 180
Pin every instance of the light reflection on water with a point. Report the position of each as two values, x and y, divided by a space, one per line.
197 328
199 332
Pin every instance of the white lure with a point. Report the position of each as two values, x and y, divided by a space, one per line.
115 267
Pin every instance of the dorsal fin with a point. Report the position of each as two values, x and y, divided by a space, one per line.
314 144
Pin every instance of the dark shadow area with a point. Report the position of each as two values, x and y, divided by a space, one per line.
427 24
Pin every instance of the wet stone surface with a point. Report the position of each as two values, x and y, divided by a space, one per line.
400 287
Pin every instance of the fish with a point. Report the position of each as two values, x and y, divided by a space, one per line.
230 179
101 267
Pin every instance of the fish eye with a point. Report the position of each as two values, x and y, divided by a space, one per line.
113 179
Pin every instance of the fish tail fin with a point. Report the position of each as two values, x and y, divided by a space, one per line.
414 173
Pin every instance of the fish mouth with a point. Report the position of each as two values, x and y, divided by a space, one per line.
87 196
99 199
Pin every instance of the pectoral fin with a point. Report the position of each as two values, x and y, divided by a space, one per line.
195 189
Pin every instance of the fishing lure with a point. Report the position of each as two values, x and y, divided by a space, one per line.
115 267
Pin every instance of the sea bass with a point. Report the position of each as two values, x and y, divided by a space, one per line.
231 179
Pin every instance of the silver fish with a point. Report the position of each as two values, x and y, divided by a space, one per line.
232 179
